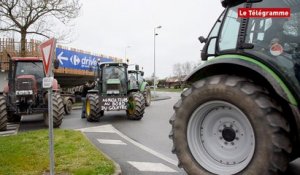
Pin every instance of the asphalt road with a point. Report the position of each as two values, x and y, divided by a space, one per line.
140 147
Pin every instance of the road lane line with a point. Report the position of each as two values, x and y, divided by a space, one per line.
152 167
103 128
12 129
111 142
111 129
149 150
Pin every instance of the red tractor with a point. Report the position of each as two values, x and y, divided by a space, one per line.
25 95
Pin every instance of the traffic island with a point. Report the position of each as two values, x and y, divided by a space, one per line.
28 153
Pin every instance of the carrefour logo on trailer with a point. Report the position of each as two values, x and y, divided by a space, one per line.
76 60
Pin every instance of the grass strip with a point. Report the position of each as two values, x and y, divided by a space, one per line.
28 153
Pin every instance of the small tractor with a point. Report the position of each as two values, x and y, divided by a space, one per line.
24 93
114 92
241 114
138 82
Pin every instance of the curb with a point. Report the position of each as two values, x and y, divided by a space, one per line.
160 98
118 170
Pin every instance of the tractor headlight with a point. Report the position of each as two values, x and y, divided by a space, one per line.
24 92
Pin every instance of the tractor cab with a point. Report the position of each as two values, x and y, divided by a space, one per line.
113 79
136 77
24 81
271 41
31 68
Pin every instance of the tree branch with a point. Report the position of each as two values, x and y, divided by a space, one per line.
38 33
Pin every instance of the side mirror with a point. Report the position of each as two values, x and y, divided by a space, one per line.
137 67
202 39
205 51
56 64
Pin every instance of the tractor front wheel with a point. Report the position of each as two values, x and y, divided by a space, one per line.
147 96
136 106
228 125
58 111
68 107
3 114
92 109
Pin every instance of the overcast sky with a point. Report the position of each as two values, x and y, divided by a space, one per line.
109 26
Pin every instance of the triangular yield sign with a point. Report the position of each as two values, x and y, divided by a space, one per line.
47 49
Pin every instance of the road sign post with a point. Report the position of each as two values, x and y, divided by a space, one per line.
47 49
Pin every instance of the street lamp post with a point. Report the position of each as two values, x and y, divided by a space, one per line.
154 73
126 52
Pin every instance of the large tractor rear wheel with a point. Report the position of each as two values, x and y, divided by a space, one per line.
147 96
58 111
228 125
3 114
92 109
135 106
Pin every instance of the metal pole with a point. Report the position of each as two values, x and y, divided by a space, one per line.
154 65
50 115
126 52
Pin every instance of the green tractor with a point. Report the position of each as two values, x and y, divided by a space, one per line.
241 114
138 82
113 92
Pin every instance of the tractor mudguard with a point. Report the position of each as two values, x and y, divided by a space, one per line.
241 65
143 86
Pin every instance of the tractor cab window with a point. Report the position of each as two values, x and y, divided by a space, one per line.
30 68
113 72
140 77
114 76
277 39
132 76
230 30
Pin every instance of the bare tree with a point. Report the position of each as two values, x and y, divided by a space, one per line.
186 68
33 16
177 70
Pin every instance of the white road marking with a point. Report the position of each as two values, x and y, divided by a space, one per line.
111 129
153 167
111 142
103 128
12 129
